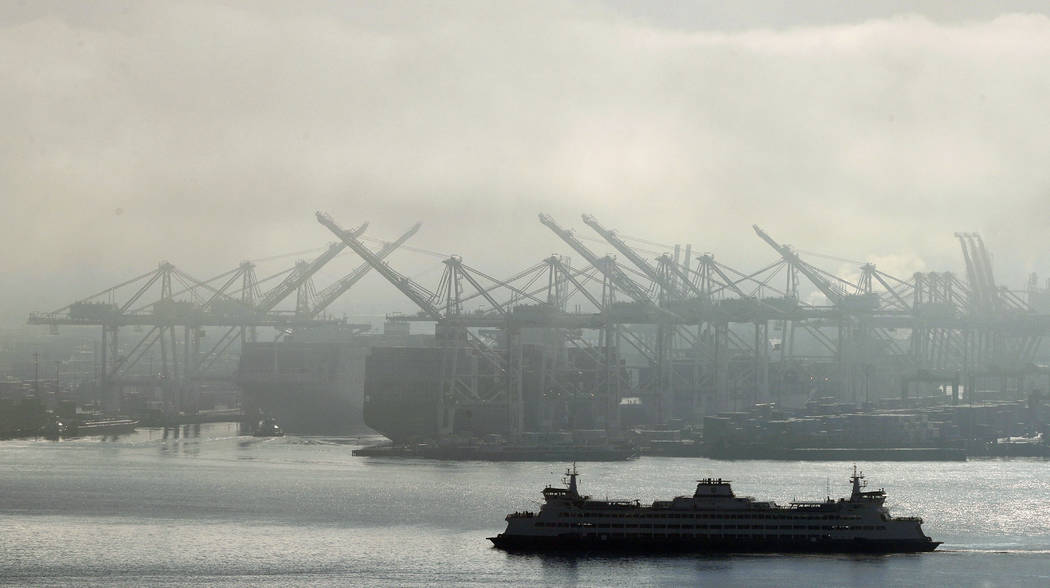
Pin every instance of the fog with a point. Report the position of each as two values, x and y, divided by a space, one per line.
208 133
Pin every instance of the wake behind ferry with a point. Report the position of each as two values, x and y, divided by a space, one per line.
714 519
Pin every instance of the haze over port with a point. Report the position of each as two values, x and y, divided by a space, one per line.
331 293
208 133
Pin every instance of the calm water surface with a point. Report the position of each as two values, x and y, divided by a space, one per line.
210 507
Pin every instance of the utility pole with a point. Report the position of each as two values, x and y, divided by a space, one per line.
36 374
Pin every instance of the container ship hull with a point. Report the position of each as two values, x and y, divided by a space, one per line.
314 384
403 391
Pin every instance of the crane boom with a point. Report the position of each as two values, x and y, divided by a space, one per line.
614 240
416 293
615 275
330 294
790 256
647 268
296 278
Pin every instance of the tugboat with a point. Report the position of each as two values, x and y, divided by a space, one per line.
55 428
713 519
268 427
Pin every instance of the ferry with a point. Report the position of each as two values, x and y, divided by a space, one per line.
714 519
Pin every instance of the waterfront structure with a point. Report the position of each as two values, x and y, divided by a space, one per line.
597 345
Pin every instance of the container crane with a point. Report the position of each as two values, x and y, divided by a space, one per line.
612 272
416 293
330 294
826 288
302 273
456 340
292 282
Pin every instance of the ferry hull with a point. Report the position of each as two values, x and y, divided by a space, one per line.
600 542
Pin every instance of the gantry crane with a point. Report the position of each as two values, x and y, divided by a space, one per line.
616 276
460 380
300 274
164 315
330 294
666 280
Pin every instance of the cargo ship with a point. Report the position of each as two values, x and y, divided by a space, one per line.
313 381
713 519
403 391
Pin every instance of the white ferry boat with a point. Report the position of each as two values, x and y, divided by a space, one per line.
714 519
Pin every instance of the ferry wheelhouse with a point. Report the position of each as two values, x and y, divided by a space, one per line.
714 519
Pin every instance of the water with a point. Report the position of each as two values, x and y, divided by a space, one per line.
209 507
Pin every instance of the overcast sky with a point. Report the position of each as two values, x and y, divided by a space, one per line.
208 133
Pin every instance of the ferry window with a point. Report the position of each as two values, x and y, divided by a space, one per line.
814 527
756 526
771 526
659 526
716 526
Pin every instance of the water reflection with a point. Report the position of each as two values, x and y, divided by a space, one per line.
560 570
181 440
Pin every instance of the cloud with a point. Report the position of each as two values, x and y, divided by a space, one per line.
219 128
